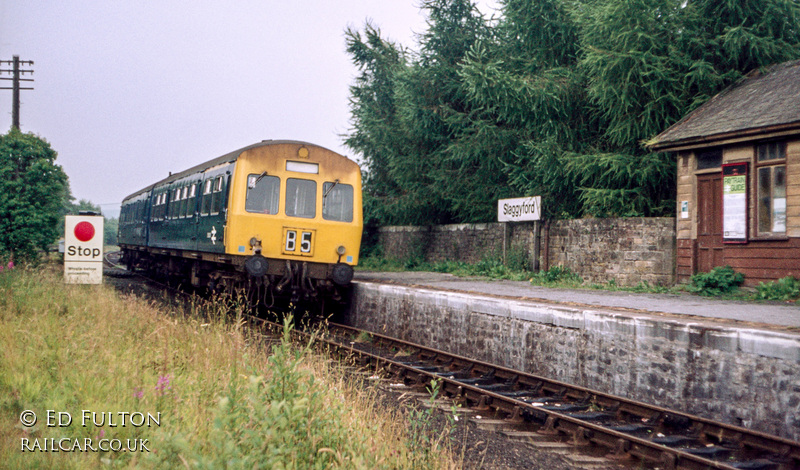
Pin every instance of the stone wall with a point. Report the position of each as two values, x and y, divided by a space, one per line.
625 250
739 375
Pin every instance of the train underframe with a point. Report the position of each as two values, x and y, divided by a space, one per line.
267 283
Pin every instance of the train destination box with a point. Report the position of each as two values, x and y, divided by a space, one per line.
521 209
83 252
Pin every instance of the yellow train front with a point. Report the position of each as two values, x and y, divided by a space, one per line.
278 219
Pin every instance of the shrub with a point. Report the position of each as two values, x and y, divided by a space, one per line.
557 274
786 288
718 281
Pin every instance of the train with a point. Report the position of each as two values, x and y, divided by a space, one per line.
280 220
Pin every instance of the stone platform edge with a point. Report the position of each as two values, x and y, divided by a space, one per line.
697 334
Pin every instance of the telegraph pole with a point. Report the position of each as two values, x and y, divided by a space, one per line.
16 72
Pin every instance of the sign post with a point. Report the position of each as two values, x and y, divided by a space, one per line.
83 253
522 209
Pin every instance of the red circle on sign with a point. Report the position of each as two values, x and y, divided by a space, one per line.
84 231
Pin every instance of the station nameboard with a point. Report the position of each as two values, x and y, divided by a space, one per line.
83 249
522 209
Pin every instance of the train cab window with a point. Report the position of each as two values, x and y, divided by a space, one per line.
205 202
190 205
216 196
263 194
337 202
301 198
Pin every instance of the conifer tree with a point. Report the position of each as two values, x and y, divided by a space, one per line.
556 99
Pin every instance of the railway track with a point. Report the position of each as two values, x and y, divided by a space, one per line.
628 430
624 430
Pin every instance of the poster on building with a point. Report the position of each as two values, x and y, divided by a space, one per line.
734 203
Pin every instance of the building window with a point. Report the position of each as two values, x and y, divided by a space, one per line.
709 158
771 188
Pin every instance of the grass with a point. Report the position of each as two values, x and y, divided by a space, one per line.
222 399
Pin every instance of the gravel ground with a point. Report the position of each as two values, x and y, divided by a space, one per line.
478 448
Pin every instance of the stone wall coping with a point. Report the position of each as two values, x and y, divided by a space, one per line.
698 335
436 228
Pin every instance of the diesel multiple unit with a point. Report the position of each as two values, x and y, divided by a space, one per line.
277 218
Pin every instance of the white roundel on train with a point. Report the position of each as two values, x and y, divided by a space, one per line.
83 249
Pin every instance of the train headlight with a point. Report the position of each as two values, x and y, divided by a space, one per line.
342 274
340 251
256 266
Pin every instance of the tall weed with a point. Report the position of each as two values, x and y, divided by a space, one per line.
222 401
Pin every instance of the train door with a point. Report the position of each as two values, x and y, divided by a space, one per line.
211 220
190 214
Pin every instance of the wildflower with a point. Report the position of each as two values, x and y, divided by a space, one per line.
10 265
138 393
163 384
102 434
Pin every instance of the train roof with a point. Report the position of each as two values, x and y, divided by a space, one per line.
227 158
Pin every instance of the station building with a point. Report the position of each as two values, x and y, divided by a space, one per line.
738 185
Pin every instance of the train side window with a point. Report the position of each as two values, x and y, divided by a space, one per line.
301 198
263 194
171 203
205 202
184 194
190 205
216 196
337 202
157 207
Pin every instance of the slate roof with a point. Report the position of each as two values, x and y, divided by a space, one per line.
763 101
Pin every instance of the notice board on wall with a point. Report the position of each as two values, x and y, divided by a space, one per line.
734 203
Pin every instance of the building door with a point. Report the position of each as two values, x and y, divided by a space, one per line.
709 222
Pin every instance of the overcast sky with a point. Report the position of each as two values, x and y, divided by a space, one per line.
128 91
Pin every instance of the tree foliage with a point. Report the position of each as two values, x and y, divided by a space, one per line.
555 98
32 191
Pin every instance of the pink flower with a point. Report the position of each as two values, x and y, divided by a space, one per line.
138 393
163 384
102 433
10 265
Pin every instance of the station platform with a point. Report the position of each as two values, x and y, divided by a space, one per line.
760 315
735 361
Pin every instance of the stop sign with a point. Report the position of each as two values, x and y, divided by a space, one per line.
83 249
